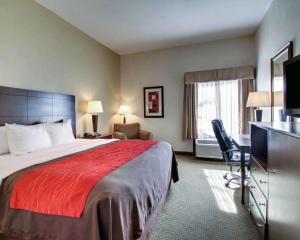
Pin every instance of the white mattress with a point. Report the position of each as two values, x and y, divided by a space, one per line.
10 164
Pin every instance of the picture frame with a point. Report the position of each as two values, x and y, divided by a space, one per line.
154 102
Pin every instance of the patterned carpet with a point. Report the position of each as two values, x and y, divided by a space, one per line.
199 206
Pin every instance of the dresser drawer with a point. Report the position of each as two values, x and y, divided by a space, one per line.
259 198
260 176
256 214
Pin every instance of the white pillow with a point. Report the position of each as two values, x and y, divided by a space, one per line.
60 133
24 139
3 141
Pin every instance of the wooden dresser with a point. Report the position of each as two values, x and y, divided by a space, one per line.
274 199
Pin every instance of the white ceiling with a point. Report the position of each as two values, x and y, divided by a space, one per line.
130 26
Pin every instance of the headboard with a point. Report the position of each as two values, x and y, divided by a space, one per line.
23 106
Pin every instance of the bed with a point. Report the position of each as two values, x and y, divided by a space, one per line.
123 204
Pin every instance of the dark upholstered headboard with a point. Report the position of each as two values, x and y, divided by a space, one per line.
23 106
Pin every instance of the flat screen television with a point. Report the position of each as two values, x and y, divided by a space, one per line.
291 75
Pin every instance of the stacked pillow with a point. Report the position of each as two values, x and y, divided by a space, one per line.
60 133
24 139
20 139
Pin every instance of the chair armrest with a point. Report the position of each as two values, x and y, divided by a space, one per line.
230 150
119 135
145 135
225 156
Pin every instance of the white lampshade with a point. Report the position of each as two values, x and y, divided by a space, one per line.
278 99
258 99
94 107
123 110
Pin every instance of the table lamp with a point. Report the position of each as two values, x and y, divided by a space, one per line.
258 99
124 110
94 108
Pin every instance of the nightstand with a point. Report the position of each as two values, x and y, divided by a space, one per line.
98 136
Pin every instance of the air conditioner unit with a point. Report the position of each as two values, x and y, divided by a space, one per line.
208 148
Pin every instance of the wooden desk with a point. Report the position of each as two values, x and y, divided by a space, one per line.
243 144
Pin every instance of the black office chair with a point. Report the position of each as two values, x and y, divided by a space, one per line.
231 155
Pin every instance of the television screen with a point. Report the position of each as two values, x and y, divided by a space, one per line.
292 86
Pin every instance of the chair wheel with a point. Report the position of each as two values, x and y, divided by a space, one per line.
226 184
225 176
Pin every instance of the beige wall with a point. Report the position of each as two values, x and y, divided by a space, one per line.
167 67
38 50
280 25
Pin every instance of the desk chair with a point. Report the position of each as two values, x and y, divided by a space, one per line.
230 155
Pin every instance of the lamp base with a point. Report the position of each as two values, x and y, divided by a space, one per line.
282 116
258 115
124 119
95 122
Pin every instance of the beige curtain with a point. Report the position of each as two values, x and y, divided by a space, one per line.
235 73
190 111
245 114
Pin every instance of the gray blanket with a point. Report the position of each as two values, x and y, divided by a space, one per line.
117 208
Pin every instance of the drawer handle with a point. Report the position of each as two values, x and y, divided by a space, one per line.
273 171
261 204
252 187
261 181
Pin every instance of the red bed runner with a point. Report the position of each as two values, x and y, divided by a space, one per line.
62 187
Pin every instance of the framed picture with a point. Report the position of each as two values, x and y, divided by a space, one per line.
154 102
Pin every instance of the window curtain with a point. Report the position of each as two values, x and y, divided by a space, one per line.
223 74
245 114
190 93
190 112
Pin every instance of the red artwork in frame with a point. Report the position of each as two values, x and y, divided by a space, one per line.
154 102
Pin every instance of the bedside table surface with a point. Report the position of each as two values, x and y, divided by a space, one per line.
99 136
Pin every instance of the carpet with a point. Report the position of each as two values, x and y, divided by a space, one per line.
200 207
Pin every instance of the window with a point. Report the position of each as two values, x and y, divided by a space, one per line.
218 100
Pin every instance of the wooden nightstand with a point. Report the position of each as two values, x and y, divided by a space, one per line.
99 136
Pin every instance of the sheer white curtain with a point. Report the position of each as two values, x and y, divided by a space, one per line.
218 100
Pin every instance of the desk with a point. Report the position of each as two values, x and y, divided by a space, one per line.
243 144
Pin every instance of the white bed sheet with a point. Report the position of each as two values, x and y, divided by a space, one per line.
10 164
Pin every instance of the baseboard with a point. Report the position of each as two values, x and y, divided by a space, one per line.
184 153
